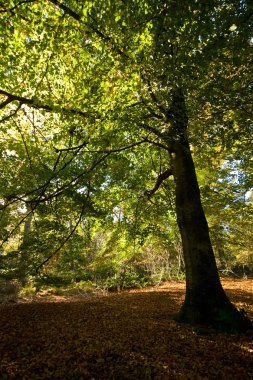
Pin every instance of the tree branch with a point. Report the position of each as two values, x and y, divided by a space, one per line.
16 6
11 115
152 129
66 9
155 100
65 240
34 104
7 101
161 177
78 147
74 181
152 112
35 202
91 26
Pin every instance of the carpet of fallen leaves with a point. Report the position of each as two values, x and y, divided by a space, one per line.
126 335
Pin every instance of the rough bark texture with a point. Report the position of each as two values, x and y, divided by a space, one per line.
206 302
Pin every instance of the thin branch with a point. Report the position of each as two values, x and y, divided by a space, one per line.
12 199
152 112
79 147
59 191
66 9
11 115
155 100
66 239
78 17
73 181
152 129
57 161
153 115
25 144
15 228
17 5
41 198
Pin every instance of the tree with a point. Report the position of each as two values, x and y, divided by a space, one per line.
125 77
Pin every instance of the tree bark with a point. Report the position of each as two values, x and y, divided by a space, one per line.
205 302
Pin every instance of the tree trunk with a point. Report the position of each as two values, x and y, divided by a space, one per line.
205 302
27 229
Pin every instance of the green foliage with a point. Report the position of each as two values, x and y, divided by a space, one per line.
57 280
85 122
126 279
28 290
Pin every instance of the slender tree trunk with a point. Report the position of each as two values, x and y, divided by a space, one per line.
27 228
205 302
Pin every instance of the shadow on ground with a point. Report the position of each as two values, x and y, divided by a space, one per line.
130 335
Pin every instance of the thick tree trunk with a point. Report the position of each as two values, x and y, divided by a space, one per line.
205 302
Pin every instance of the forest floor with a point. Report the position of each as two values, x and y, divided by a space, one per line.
126 335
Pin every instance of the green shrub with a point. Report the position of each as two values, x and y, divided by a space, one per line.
133 280
54 280
124 280
85 286
180 276
28 290
58 291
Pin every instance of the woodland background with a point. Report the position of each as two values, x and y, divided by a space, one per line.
79 155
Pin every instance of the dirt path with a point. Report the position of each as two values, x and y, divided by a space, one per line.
120 336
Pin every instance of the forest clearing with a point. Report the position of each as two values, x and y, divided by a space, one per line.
125 335
126 189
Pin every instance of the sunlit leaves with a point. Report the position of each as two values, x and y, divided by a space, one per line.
117 63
